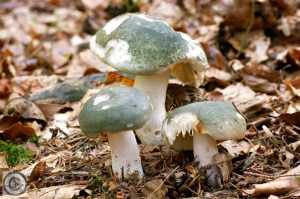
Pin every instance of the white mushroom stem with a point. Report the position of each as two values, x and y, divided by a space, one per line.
155 86
125 154
205 147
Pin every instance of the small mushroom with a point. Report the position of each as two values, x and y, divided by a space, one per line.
198 126
150 49
118 111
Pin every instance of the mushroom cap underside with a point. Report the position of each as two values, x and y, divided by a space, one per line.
219 119
113 110
142 45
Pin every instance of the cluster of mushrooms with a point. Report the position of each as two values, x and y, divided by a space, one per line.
151 50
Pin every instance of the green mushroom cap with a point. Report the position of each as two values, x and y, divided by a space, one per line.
218 119
142 45
114 110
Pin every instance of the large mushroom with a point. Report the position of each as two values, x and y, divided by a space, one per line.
117 111
198 126
150 49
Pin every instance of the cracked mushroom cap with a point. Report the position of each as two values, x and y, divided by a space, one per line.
114 110
219 119
142 45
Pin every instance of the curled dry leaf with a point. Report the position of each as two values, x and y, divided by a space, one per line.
224 164
25 108
37 172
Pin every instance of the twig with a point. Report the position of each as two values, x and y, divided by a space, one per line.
272 177
239 111
162 182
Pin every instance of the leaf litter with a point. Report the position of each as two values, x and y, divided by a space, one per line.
47 70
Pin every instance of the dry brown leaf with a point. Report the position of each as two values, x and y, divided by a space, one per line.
165 10
263 71
236 148
25 108
3 162
260 85
56 192
155 189
257 50
293 86
214 56
51 161
6 87
50 109
38 171
113 77
219 77
225 165
3 166
291 118
8 120
149 149
246 100
18 130
281 185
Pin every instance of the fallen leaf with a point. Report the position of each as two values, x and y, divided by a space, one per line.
3 166
155 189
51 161
214 56
18 130
293 86
7 87
281 185
37 172
219 77
55 192
263 71
8 120
50 109
246 100
260 85
112 77
292 118
257 51
25 108
3 162
165 10
225 165
236 148
149 149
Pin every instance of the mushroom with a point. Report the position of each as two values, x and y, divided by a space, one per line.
198 126
150 49
118 111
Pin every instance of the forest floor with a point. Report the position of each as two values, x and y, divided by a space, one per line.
253 49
